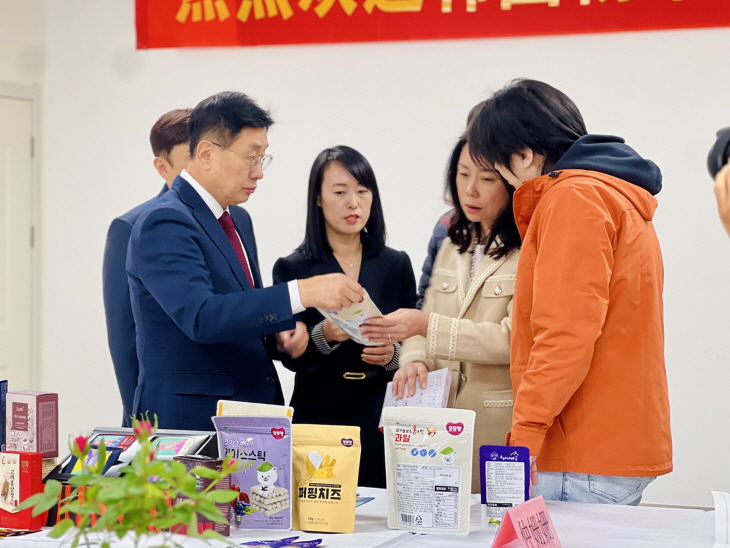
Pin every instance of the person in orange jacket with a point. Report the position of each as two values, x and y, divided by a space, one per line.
587 352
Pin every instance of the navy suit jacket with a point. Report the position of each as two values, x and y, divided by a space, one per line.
200 327
118 309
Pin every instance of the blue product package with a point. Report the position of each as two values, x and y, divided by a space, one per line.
264 444
3 391
505 481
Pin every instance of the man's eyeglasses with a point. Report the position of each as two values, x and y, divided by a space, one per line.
252 161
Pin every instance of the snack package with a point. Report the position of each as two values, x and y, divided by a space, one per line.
505 481
229 407
264 445
428 456
326 464
351 318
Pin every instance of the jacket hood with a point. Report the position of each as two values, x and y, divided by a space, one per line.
529 195
611 155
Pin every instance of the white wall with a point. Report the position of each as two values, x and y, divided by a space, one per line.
403 105
21 41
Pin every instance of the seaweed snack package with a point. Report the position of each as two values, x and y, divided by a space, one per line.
428 462
228 407
264 446
505 481
326 463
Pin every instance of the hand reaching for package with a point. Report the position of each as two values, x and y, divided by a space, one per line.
396 326
294 342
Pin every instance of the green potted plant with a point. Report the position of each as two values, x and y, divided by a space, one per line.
138 501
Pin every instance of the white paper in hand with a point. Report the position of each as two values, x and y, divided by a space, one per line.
351 318
722 519
435 395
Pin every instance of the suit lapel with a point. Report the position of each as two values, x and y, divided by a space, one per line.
372 275
487 267
328 266
211 226
463 269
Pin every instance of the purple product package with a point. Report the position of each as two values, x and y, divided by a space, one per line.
505 481
264 444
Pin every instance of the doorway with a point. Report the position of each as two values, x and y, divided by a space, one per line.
18 269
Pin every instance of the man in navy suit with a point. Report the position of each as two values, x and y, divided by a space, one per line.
170 145
201 313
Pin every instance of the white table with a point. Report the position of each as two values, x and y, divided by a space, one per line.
578 526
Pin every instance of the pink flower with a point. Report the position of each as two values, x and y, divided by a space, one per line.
81 443
231 463
152 457
144 427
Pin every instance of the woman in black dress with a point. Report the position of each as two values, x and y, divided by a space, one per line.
339 381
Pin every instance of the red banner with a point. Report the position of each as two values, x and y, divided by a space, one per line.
183 23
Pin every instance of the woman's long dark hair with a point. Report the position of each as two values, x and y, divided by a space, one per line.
462 231
315 245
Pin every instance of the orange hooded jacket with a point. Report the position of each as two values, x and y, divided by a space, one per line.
587 353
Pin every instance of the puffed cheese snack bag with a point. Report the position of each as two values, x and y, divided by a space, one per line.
428 463
326 460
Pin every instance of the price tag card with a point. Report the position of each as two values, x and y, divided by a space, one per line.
527 526
722 519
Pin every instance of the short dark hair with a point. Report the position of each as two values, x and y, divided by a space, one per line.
524 114
224 115
170 130
462 231
315 245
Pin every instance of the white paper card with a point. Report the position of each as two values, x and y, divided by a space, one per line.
722 519
435 395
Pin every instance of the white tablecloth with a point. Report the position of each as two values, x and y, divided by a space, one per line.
578 526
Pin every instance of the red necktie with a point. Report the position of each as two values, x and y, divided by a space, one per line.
229 228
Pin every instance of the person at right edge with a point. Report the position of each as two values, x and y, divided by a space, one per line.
587 351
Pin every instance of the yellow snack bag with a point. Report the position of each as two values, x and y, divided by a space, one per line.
326 460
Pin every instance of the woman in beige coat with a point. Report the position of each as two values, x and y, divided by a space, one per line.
466 319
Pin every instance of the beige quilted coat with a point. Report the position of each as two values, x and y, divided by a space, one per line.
469 333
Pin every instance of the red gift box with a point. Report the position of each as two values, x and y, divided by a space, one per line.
21 475
191 462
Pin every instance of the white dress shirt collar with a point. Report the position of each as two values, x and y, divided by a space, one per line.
207 197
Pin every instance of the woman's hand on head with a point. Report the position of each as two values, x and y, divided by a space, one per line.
408 373
396 326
